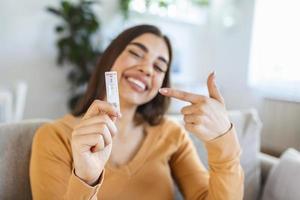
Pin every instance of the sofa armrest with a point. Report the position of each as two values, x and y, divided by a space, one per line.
266 164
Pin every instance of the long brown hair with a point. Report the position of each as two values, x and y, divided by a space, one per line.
152 111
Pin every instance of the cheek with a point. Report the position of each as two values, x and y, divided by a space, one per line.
122 61
121 64
117 66
158 81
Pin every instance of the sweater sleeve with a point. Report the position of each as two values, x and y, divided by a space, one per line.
223 180
51 173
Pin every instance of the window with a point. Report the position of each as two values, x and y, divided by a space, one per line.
275 49
174 9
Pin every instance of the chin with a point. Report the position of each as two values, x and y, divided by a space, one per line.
136 101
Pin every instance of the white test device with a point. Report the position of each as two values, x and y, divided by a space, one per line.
112 92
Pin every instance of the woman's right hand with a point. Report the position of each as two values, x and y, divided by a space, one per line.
92 140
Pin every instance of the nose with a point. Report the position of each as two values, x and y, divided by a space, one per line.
146 68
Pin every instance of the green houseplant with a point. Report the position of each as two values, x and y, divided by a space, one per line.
74 43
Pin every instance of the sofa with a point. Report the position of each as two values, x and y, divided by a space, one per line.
16 139
248 127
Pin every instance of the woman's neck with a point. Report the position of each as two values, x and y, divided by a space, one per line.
126 123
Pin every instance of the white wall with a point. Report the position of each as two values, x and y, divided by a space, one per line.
231 57
27 52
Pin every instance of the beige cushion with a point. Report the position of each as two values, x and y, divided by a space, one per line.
15 146
284 179
248 127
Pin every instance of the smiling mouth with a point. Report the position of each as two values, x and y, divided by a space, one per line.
137 83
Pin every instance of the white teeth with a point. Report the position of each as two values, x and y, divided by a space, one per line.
137 82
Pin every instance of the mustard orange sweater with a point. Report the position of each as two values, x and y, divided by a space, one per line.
166 154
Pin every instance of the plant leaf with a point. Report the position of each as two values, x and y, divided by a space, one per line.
54 11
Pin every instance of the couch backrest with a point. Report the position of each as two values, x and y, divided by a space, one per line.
15 148
248 127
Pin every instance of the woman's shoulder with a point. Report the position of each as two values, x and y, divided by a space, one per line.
59 130
52 140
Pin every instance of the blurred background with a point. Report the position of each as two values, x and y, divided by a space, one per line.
48 49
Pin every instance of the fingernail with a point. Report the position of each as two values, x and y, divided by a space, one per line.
119 115
214 73
163 90
114 119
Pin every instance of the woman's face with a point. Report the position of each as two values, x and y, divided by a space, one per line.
141 69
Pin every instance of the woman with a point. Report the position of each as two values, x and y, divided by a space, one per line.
99 153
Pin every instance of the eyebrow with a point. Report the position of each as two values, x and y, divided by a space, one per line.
145 49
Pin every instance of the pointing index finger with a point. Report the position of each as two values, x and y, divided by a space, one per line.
181 95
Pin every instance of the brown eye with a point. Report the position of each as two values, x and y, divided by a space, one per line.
134 54
158 68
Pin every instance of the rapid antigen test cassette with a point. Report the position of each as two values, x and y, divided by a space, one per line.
112 92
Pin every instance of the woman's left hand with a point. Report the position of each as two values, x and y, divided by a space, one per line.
206 117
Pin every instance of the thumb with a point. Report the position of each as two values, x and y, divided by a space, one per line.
213 89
